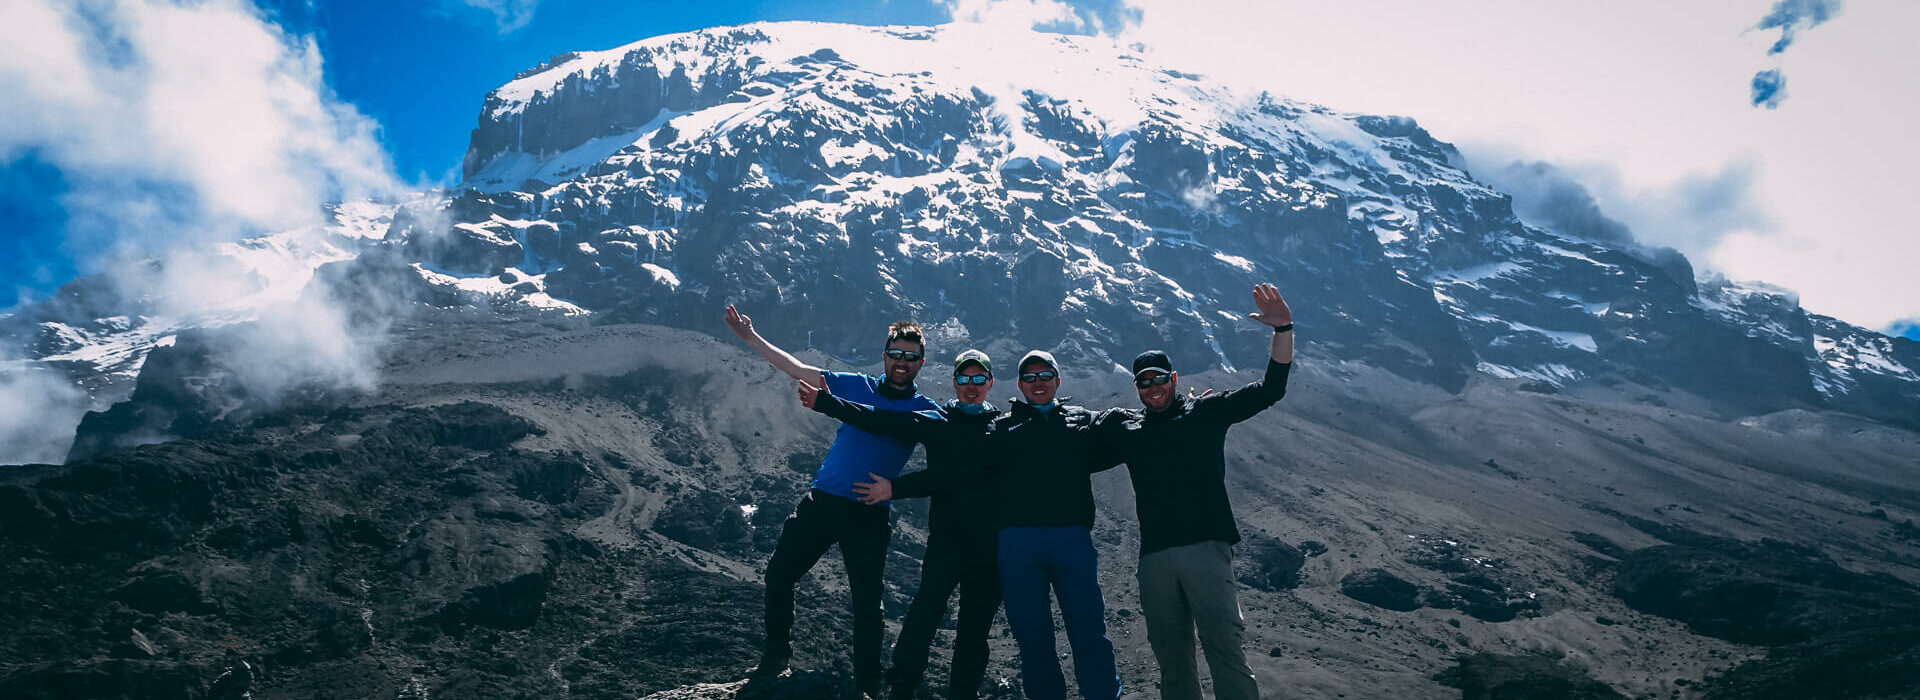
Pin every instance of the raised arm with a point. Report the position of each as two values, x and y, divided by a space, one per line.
1275 312
1243 403
780 359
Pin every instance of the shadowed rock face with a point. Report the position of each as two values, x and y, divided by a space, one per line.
1269 564
1769 593
1486 676
1832 633
1878 658
338 555
1379 588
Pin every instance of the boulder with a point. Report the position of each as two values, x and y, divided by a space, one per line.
1378 588
1488 676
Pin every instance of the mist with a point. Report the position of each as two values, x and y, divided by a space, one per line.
1593 200
198 174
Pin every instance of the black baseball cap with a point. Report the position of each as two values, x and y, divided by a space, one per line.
1152 360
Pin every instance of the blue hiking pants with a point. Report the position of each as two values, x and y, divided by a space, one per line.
1034 561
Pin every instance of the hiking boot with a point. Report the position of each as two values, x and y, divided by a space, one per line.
771 664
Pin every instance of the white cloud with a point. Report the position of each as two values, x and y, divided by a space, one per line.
177 127
178 123
1016 15
508 15
38 410
1643 100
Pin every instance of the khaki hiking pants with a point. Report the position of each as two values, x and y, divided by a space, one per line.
1188 587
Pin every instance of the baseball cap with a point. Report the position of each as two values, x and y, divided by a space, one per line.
1040 355
1152 360
975 357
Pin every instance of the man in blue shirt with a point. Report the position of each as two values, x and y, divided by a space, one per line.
831 512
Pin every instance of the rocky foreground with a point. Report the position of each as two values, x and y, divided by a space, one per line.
553 510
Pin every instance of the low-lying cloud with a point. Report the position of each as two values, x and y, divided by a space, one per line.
1592 200
178 127
38 410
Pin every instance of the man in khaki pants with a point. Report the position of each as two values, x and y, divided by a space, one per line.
1175 450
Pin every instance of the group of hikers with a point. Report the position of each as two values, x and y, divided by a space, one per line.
1011 515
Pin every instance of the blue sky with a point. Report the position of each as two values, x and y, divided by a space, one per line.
422 70
1736 177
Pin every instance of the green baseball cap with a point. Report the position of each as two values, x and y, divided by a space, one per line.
972 356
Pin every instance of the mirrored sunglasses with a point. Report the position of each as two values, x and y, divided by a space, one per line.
971 379
1155 380
905 355
1031 377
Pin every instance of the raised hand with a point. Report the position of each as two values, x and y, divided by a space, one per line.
809 394
1201 395
1273 309
875 492
741 325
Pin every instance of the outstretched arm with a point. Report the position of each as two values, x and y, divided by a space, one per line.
1108 449
1243 403
780 359
921 427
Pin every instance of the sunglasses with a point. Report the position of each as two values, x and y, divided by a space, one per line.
905 355
1031 377
971 379
1155 380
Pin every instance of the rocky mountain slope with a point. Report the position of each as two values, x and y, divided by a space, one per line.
542 508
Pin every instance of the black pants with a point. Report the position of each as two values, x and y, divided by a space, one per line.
863 533
967 563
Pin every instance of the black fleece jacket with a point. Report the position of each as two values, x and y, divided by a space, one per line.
1036 464
953 438
1177 460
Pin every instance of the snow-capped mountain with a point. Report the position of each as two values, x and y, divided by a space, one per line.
941 174
1034 190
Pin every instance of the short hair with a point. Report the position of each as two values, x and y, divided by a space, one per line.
908 331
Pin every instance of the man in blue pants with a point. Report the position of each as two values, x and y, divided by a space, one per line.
1040 458
831 513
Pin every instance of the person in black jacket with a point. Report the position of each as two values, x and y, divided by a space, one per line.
1175 451
1039 458
960 531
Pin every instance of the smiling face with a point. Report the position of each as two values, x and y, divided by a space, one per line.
900 373
970 392
1038 392
1156 397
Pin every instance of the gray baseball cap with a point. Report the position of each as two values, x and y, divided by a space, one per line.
1040 355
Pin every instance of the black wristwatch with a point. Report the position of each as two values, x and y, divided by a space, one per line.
1282 328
